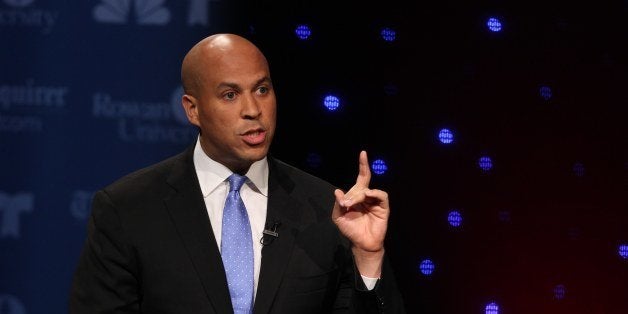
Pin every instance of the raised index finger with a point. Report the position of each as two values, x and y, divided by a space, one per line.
364 172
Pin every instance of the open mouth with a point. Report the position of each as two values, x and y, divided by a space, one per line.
254 137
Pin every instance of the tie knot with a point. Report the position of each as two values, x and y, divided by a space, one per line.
236 181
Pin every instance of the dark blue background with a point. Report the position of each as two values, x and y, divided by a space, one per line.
447 70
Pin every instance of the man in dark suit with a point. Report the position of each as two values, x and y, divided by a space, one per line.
155 237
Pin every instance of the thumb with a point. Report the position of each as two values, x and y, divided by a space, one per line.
337 211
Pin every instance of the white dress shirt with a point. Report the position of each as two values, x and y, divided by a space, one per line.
212 177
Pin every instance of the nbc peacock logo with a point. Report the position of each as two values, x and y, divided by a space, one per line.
142 12
10 304
18 3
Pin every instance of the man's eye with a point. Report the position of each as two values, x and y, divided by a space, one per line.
230 95
263 90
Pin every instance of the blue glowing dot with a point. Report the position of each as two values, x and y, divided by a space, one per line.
446 136
578 169
485 163
545 92
492 308
391 89
559 292
454 218
573 233
494 24
252 30
426 267
331 102
388 34
379 167
314 160
623 251
504 216
303 31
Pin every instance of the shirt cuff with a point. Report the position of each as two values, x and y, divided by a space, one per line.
369 282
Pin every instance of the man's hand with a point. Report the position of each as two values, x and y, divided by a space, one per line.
361 214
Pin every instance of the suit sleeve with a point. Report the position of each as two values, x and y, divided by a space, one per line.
106 277
354 297
383 298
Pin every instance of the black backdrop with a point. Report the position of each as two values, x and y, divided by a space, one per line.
89 91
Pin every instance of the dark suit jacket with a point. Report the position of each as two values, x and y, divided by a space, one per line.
150 249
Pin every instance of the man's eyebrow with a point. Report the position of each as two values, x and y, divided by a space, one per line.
229 85
235 86
264 79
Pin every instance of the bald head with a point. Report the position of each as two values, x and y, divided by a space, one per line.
229 96
210 53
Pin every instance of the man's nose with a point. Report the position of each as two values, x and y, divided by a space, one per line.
250 107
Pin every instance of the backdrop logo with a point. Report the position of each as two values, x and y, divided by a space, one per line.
145 121
146 12
177 107
11 305
80 204
20 14
21 106
11 207
18 3
198 12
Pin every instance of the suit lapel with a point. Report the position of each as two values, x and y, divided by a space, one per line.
283 208
188 212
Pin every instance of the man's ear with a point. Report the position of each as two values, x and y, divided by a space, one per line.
190 105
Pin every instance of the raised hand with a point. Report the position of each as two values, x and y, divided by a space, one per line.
362 214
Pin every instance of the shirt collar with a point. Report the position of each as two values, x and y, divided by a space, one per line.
211 173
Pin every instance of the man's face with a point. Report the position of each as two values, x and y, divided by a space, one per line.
236 107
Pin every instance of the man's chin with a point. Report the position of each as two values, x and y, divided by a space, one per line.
256 154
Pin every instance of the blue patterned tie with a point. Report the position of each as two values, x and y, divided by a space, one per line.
236 248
